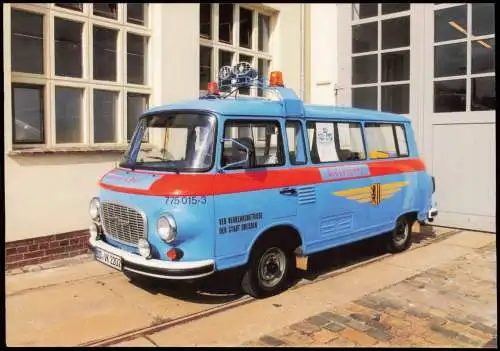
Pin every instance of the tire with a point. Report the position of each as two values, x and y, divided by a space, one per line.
399 239
270 269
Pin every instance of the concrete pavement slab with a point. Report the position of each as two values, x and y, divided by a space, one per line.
473 240
69 315
15 284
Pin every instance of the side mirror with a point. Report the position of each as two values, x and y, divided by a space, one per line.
241 148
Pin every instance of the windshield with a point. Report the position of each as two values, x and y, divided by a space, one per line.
172 142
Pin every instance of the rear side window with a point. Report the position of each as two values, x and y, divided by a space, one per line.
386 140
401 139
335 141
262 138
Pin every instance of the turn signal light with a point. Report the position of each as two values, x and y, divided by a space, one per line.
174 254
276 79
213 88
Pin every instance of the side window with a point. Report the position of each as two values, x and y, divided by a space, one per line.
262 153
296 145
335 141
350 142
402 143
381 141
322 142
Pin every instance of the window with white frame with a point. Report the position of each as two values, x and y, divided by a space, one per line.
79 73
232 33
381 56
464 57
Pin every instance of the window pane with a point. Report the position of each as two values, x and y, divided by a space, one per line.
296 144
136 105
450 60
322 142
264 32
449 96
69 121
205 67
206 21
365 98
364 69
364 37
28 113
104 53
27 42
483 56
73 6
106 10
263 71
396 98
136 13
68 48
396 32
265 153
136 50
483 19
249 59
246 28
450 23
350 142
401 137
360 11
105 116
380 140
396 66
225 59
483 94
396 7
226 23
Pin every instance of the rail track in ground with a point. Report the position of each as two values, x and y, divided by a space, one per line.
167 323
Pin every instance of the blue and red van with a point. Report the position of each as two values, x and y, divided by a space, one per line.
256 182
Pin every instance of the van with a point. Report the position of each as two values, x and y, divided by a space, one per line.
258 183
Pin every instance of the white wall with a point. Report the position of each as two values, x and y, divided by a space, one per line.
324 53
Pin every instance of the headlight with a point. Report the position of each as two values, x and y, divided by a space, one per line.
144 248
167 229
94 208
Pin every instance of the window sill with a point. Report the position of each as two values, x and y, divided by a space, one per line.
72 149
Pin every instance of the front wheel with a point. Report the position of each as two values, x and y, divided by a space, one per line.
269 271
399 239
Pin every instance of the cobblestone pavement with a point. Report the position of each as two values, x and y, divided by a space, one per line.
453 305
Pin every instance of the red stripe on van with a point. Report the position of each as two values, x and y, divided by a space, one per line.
224 183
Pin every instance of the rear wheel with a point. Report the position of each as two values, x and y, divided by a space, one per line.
399 239
269 271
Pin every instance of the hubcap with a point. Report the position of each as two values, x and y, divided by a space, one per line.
272 266
401 232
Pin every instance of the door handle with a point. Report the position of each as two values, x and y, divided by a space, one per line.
288 191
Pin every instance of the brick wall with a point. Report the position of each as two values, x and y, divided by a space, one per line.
52 247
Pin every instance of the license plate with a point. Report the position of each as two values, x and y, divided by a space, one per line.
108 259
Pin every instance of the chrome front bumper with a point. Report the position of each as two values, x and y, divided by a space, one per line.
433 212
157 268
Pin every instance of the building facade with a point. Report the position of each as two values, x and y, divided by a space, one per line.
434 63
77 76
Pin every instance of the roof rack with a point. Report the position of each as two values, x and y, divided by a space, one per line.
232 79
243 75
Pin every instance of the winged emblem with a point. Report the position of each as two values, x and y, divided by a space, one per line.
374 193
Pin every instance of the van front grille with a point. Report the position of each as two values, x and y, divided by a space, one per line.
122 223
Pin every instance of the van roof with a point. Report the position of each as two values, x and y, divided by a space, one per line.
257 107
